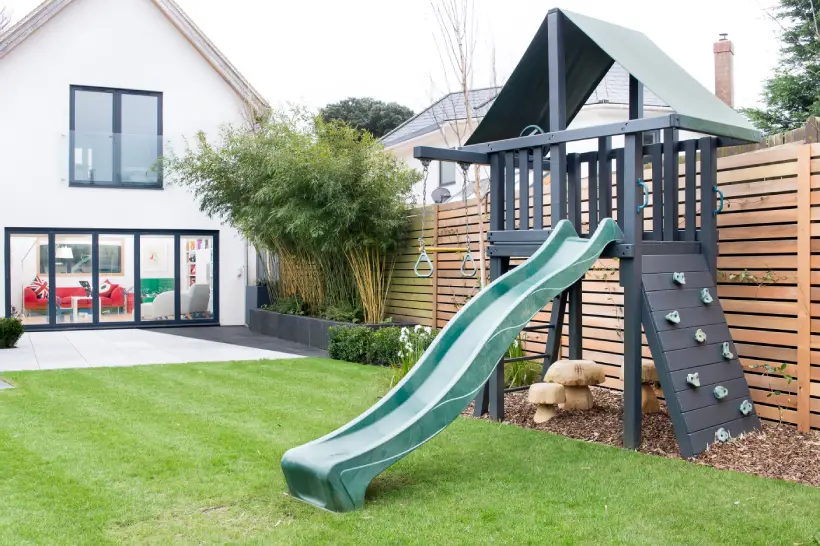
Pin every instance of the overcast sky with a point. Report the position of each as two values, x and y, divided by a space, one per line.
320 51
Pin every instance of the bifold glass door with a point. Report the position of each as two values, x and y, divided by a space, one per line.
79 279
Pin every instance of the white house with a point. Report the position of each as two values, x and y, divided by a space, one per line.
92 93
444 124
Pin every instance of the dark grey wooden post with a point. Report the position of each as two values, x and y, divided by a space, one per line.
690 150
558 115
670 184
708 201
631 272
482 400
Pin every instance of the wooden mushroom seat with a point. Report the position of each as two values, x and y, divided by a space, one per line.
546 396
576 376
649 375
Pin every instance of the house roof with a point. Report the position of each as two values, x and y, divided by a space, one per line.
43 13
591 46
613 89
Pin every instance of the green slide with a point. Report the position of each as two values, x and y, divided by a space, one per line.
334 471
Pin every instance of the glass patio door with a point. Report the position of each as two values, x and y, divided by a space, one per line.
74 282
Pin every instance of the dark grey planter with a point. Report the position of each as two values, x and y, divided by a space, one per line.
255 297
310 331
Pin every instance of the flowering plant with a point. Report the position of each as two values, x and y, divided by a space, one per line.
412 344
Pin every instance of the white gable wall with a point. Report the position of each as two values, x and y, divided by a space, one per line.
127 44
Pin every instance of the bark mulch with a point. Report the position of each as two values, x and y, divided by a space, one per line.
777 451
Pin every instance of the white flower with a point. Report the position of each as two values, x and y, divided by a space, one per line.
428 330
417 327
515 343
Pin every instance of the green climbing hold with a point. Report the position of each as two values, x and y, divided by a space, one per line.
700 336
721 392
679 277
746 407
722 435
727 351
705 296
693 379
673 317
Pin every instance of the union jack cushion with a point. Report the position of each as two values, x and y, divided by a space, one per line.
40 287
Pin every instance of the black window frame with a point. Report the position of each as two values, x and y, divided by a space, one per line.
441 165
655 137
116 129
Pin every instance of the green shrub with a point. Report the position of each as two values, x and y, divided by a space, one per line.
344 312
349 343
289 306
385 346
11 330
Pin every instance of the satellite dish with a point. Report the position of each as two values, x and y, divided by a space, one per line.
440 195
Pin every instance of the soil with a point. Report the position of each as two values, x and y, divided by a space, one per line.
776 451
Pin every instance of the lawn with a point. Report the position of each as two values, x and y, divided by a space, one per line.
189 454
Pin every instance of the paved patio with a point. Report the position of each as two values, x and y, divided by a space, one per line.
103 348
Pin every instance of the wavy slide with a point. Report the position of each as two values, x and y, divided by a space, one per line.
334 471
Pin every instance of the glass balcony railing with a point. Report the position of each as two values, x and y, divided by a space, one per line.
116 158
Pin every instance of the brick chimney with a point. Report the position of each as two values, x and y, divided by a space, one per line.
724 70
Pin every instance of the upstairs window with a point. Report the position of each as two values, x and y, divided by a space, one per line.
116 138
446 173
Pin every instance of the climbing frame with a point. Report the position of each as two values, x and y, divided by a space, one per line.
701 377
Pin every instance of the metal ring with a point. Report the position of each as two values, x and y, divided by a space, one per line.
720 196
468 258
643 185
538 130
423 256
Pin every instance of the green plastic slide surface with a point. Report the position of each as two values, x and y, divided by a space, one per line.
334 471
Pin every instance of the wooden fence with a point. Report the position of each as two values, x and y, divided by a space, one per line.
769 279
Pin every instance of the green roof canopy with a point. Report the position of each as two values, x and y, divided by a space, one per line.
591 46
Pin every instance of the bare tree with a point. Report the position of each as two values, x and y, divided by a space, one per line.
456 43
5 20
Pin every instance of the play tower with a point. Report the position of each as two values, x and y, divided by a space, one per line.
668 263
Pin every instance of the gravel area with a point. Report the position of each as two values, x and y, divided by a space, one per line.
777 451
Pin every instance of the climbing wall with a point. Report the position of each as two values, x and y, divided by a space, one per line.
701 377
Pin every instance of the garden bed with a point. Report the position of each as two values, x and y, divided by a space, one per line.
310 331
777 451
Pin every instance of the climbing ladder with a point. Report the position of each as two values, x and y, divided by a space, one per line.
701 377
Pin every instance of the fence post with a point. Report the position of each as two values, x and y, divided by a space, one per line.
804 287
434 278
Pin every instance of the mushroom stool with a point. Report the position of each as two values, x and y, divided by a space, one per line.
649 400
576 376
546 396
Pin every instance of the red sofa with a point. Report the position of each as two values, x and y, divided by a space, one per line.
116 300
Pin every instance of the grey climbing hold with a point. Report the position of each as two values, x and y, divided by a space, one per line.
673 317
693 379
700 336
705 296
721 392
727 351
679 277
722 435
746 407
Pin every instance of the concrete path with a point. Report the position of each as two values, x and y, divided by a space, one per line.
102 348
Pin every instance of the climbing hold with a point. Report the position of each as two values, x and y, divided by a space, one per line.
705 296
700 336
679 277
673 317
722 435
746 407
721 392
693 379
727 352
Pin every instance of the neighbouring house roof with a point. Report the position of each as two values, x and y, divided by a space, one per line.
613 89
43 13
591 47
